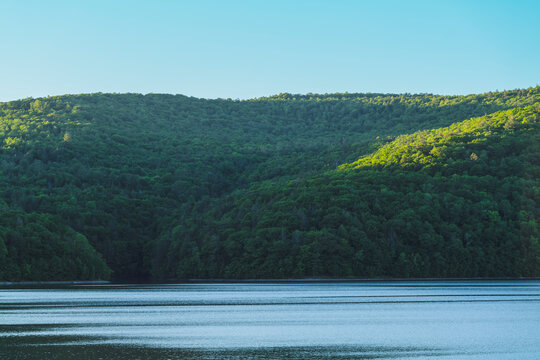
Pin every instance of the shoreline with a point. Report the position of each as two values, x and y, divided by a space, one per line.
343 280
257 281
72 282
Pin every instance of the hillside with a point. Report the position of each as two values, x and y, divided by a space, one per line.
163 186
460 201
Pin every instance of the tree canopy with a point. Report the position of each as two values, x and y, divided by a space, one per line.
340 185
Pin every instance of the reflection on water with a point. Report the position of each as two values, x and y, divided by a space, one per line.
370 320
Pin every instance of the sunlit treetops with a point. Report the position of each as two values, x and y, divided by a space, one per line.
432 147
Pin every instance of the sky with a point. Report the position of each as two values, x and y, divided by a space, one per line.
245 49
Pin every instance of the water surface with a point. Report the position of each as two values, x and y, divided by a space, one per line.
365 320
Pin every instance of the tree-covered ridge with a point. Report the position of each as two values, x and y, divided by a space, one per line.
505 98
447 145
477 216
144 177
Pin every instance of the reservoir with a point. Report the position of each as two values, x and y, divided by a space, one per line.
312 320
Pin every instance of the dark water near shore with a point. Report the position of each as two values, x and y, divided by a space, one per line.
371 320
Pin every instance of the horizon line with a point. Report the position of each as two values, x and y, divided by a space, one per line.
267 96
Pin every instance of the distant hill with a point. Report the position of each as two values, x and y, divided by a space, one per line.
162 186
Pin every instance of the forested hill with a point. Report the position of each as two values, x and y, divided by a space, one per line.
139 187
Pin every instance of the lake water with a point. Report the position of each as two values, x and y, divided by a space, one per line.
364 320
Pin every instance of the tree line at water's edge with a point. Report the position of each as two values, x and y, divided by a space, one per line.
139 187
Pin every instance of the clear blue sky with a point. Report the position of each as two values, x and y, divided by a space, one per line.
243 49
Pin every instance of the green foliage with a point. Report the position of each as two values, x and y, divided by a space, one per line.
39 247
420 206
445 146
169 186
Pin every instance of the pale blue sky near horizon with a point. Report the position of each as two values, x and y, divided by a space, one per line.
246 49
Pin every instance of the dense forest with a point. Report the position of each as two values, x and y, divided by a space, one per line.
154 187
